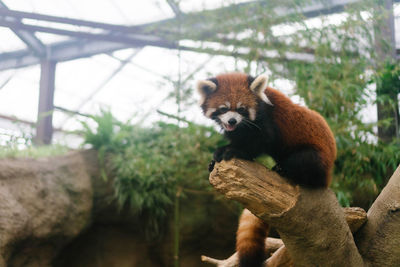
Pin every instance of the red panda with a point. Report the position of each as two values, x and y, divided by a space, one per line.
257 119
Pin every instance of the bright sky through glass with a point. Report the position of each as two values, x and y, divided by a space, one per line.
137 91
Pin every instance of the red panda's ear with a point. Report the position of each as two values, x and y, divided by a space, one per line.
205 87
258 86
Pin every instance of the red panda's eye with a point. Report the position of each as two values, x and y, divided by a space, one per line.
241 110
223 110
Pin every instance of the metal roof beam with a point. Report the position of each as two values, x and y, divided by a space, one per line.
76 22
27 37
44 127
135 40
63 51
175 7
79 49
73 49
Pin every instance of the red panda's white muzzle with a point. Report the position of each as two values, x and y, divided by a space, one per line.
230 120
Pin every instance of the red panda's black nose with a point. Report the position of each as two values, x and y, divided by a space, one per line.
232 121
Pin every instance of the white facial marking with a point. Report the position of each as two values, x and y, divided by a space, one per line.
204 88
209 112
201 100
230 115
222 106
239 104
252 114
228 104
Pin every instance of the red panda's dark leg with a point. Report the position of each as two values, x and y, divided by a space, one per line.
304 167
219 153
228 152
250 240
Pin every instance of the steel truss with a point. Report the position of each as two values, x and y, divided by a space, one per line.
94 38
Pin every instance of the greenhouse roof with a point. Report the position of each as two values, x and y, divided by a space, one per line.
108 58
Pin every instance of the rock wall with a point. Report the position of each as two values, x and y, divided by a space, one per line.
58 212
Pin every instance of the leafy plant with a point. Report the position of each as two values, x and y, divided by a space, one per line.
335 67
32 152
21 145
151 163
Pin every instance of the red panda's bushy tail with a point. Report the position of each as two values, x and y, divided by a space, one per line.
250 240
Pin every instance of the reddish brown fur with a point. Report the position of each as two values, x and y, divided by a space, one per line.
234 88
298 126
302 126
251 234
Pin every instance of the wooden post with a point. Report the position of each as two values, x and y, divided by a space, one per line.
44 128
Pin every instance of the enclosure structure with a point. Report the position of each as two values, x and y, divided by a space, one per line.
84 38
88 38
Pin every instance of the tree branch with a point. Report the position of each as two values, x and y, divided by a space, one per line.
355 218
310 221
379 239
271 246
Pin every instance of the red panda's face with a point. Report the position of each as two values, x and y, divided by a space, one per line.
230 100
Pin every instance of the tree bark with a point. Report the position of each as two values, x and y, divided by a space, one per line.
276 251
310 222
281 258
271 246
379 239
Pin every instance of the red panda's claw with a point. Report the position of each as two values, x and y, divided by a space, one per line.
278 169
211 165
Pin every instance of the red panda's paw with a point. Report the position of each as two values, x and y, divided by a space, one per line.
278 169
219 153
231 153
228 153
211 165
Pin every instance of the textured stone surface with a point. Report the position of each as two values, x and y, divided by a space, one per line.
59 212
44 203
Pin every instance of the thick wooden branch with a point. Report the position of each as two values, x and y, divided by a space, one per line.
271 246
281 258
355 218
310 221
379 239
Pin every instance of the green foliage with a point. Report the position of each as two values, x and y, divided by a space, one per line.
338 86
388 80
31 151
339 91
151 164
339 80
20 146
362 169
